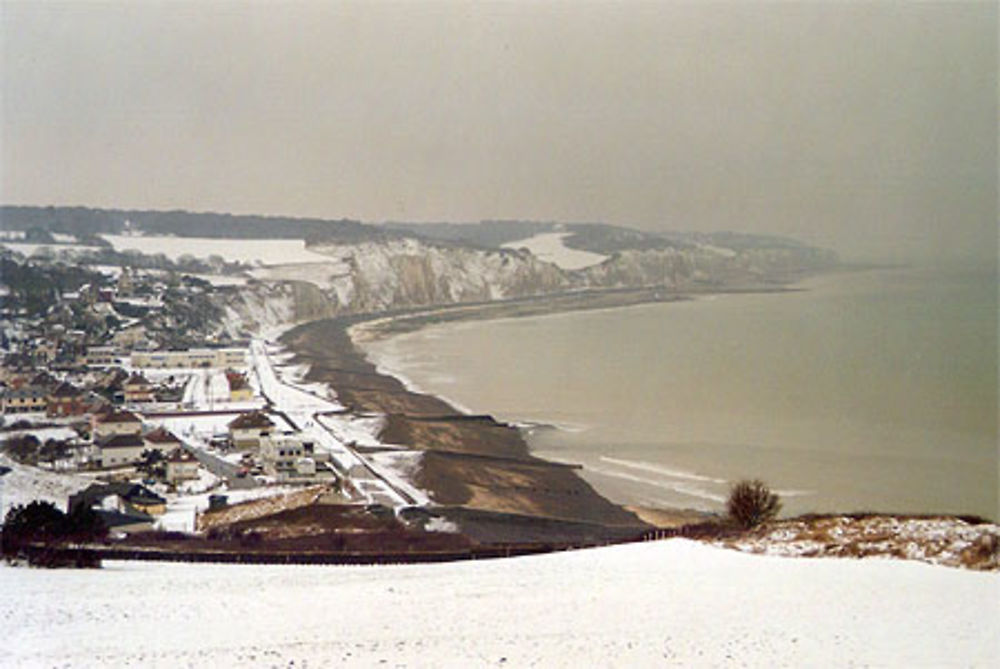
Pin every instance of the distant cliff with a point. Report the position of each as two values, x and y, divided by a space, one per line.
376 268
405 273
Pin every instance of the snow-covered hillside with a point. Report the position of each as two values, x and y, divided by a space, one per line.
653 604
252 251
549 246
24 484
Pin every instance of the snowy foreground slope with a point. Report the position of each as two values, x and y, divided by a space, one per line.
673 602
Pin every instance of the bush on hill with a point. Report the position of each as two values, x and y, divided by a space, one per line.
751 503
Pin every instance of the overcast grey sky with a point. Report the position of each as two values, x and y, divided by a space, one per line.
868 127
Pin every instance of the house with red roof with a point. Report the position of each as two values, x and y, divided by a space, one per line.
239 387
66 400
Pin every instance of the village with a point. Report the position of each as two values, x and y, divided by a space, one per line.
162 433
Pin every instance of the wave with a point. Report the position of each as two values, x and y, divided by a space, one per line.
561 426
659 469
681 488
674 486
794 493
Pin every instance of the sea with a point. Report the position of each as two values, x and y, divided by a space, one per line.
867 390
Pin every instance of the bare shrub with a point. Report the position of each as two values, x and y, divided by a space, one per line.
984 553
751 503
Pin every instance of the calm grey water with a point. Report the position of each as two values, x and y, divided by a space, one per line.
872 390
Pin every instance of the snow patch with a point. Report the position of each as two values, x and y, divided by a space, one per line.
252 251
549 246
24 484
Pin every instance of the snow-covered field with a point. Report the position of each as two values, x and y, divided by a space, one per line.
253 251
29 249
549 246
653 604
325 275
25 484
222 279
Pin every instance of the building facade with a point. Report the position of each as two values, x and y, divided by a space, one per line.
100 356
247 430
181 466
111 423
120 450
190 358
138 389
27 399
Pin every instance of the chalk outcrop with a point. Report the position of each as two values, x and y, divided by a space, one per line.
396 273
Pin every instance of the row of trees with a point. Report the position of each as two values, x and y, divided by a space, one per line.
38 531
28 449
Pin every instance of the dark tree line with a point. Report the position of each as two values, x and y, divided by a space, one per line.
38 531
36 288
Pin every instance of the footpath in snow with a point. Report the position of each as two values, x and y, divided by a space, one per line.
660 603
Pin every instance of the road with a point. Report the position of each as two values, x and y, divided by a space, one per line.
223 469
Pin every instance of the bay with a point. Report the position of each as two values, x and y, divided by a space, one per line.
863 391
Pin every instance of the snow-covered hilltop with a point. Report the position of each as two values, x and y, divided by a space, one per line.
665 603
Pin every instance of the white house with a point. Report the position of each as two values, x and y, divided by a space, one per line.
247 429
181 466
288 458
120 449
162 440
110 423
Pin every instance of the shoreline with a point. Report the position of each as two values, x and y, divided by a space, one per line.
480 469
855 472
372 327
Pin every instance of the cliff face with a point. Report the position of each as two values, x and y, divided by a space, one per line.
412 273
396 274
263 306
711 265
403 273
